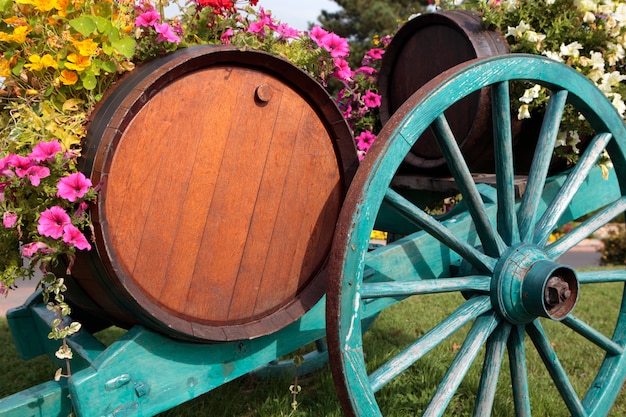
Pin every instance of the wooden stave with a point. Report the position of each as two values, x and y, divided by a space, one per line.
120 304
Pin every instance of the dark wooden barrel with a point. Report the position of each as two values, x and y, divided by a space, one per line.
422 49
222 174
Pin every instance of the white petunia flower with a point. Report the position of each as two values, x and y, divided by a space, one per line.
610 80
620 13
572 49
517 31
533 36
589 17
553 55
573 140
597 60
523 112
618 103
530 94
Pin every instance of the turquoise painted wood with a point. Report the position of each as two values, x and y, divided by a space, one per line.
495 252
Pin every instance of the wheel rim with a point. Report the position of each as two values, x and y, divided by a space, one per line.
492 280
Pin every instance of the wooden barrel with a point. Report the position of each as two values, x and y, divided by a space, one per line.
422 49
222 173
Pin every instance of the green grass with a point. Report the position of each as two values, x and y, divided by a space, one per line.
394 329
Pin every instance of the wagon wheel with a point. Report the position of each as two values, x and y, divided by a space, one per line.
507 270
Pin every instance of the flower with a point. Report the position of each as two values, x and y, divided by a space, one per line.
9 219
148 18
73 187
371 99
165 33
72 236
365 140
52 222
45 151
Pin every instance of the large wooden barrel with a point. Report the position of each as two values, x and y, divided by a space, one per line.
422 49
222 173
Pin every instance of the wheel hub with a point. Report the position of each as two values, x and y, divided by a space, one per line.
526 285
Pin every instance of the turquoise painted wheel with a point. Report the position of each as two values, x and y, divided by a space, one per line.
496 257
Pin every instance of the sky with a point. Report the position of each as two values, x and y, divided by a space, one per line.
298 13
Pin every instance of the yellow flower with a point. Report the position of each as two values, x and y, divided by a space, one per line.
49 62
77 62
18 36
40 5
5 68
35 63
38 63
15 21
68 77
85 48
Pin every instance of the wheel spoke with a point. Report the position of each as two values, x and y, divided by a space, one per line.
599 277
586 228
496 345
492 242
429 286
478 334
574 180
593 335
552 363
440 232
541 163
463 315
505 172
519 373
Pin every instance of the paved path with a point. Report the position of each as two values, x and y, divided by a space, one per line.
586 254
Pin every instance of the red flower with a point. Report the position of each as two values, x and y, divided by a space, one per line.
216 4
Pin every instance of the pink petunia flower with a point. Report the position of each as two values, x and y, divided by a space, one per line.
30 249
375 53
36 173
367 70
45 151
52 222
148 18
21 164
364 140
342 70
73 187
336 45
165 33
317 33
287 32
371 99
257 27
9 219
225 38
73 236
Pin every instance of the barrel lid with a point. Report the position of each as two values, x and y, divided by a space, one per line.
425 47
222 174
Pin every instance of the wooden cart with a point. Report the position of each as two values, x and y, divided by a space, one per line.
233 227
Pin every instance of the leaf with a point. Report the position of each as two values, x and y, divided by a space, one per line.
103 25
109 66
72 104
58 374
90 81
5 5
85 25
125 46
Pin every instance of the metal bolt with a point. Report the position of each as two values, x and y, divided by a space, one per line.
557 291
